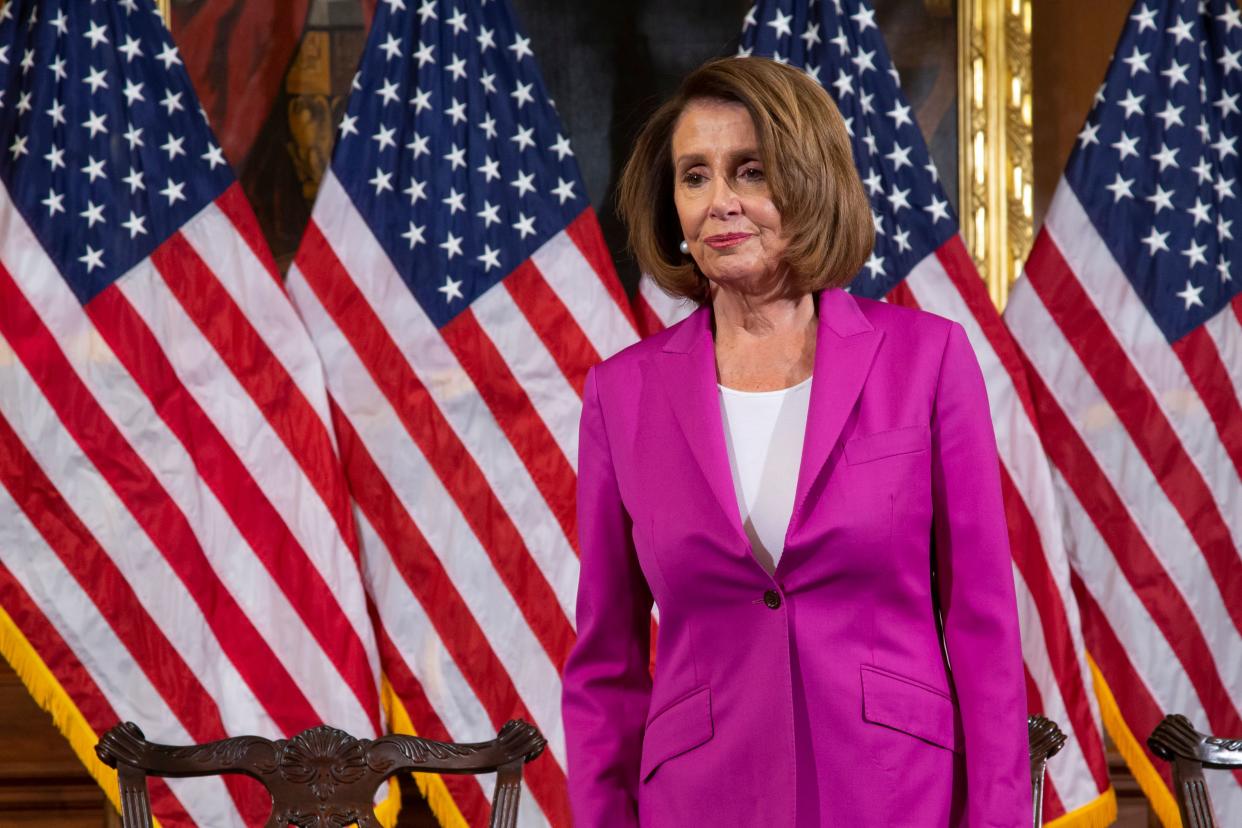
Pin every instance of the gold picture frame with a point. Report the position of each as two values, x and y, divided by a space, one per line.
995 178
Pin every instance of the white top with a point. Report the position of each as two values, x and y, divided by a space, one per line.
763 433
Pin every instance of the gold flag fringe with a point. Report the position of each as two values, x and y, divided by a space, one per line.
1145 774
49 695
430 785
1098 813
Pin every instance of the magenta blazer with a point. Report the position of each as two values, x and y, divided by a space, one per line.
819 695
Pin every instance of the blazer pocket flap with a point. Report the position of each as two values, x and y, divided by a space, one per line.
911 707
682 726
886 444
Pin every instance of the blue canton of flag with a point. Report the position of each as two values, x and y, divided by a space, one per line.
1161 190
839 45
102 143
452 151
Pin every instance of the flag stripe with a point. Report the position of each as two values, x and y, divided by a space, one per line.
1106 362
1053 806
1207 373
537 372
562 265
589 239
92 605
1144 573
1225 328
452 616
1175 436
247 507
317 530
236 208
554 324
515 414
1056 639
454 466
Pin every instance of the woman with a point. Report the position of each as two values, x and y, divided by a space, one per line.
807 485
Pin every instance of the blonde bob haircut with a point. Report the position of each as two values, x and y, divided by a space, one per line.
807 161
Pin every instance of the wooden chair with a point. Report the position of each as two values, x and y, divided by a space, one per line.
1175 740
1046 741
322 777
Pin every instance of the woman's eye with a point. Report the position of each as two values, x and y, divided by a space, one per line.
693 179
752 174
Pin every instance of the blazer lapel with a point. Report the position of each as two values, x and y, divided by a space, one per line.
687 367
845 347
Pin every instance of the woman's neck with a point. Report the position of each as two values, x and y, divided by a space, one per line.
763 343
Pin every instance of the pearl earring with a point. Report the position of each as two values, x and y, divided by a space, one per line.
684 247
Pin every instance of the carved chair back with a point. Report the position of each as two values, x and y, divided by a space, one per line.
322 777
1175 740
1046 740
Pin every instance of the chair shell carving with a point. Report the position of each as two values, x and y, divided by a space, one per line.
1176 740
322 777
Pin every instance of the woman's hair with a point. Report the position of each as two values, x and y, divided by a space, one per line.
807 161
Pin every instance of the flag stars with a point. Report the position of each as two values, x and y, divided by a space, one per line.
92 259
94 169
1229 61
900 156
56 112
58 67
1203 170
131 49
169 57
93 214
523 138
488 80
451 246
457 67
388 91
525 225
384 137
96 78
864 60
60 23
421 100
173 146
490 214
418 145
456 201
1180 30
490 258
1190 295
55 157
524 183
415 191
780 24
456 156
349 126
490 169
457 111
391 47
414 235
95 123
1176 73
811 35
1137 61
451 289
875 264
486 39
174 191
1146 19
23 103
865 18
899 199
134 180
427 11
1161 199
900 113
1226 103
424 54
96 34
136 225
1222 267
521 47
213 156
1126 146
1156 241
844 84
561 148
1132 104
1223 187
903 241
939 209
564 190
1223 231
55 202
1200 212
1224 146
381 181
1194 254
1230 18
521 94
1166 157
1089 135
133 92
457 22
1171 115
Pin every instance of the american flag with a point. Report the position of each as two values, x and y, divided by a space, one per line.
457 286
920 261
176 542
1129 322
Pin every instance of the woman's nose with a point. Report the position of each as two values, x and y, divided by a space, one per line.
724 200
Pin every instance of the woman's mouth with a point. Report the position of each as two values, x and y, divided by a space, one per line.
725 240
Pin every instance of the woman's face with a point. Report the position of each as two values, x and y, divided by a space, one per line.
722 197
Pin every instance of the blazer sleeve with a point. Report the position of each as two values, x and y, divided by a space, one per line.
607 684
976 593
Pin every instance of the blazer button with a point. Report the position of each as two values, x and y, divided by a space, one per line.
772 598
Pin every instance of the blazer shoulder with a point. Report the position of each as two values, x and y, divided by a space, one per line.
916 327
624 363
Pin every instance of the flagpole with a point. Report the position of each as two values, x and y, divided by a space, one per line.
165 12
